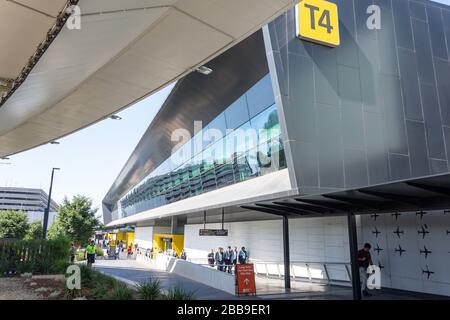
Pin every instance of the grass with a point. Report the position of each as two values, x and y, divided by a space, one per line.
98 286
122 292
178 293
149 290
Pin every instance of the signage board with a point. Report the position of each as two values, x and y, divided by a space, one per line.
318 21
245 274
213 232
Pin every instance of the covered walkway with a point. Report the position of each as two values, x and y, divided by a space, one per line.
135 272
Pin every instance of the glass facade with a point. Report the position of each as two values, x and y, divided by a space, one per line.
241 143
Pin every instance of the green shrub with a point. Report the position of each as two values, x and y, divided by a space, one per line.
100 252
105 280
122 292
80 255
71 294
34 231
100 292
150 290
87 277
36 256
178 293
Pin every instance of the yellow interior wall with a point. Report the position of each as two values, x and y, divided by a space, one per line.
130 239
121 236
177 242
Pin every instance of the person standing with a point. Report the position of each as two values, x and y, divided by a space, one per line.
234 257
90 253
211 258
183 255
219 259
364 261
243 256
228 259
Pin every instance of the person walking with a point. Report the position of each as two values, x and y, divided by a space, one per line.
90 253
211 258
243 256
364 261
73 251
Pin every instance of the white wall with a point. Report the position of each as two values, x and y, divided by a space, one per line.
311 240
405 271
315 239
326 240
143 236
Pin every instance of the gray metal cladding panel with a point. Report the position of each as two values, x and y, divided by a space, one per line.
196 97
376 108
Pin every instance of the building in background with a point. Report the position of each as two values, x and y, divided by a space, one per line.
358 145
31 201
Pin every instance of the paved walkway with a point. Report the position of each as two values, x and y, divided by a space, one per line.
135 272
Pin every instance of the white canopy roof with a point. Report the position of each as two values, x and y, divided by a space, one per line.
124 51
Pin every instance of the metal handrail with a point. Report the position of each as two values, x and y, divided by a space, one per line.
307 264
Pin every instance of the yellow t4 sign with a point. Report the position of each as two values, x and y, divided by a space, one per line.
318 21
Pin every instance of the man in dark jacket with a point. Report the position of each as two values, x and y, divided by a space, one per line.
364 261
219 259
211 258
243 256
228 259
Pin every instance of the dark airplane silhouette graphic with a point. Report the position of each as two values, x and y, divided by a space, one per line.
421 214
398 232
428 272
400 250
396 215
423 232
425 251
374 216
376 232
380 265
378 249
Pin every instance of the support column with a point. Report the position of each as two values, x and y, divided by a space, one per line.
353 243
287 259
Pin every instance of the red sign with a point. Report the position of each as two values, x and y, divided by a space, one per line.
245 274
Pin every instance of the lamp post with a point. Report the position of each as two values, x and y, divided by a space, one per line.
47 209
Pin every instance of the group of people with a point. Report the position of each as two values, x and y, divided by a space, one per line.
226 260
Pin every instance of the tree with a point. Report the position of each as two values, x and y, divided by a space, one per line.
13 224
76 219
34 231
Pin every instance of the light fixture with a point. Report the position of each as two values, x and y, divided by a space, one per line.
115 117
54 142
204 70
4 158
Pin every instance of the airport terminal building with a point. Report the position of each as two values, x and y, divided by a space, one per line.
304 151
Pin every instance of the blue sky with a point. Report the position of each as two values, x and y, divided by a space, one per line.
89 159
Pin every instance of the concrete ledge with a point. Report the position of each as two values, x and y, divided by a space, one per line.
207 276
